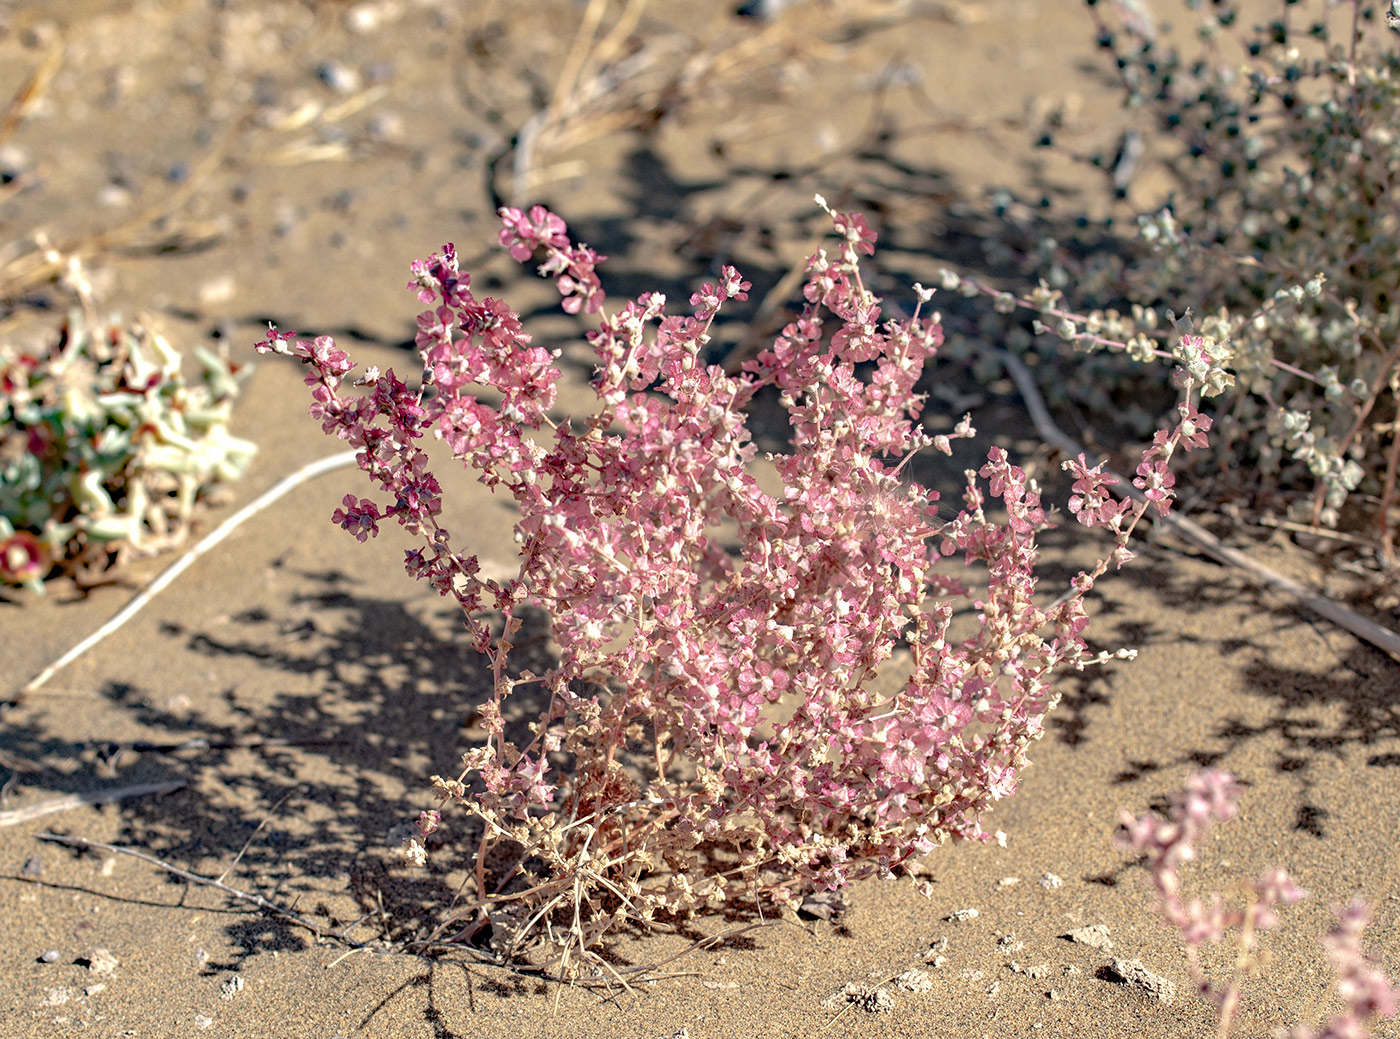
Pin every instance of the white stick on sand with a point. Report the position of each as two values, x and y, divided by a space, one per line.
307 472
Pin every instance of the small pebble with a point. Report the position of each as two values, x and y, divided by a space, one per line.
114 196
366 18
1095 935
1050 881
52 956
386 128
914 980
33 867
217 290
14 161
1134 973
340 78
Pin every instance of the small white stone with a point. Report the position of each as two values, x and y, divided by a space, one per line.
1095 935
220 289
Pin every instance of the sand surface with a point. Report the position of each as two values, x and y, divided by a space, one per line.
351 139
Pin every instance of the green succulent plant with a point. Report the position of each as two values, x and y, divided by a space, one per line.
105 447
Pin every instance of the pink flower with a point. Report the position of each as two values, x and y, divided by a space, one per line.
23 558
1091 503
856 231
1156 481
522 235
359 517
1194 426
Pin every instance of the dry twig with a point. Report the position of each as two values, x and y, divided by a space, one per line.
195 878
15 816
1383 639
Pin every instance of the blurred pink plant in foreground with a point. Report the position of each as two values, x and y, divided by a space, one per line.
711 729
1166 844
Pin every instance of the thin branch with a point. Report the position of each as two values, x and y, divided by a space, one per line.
195 878
109 749
33 90
249 842
1383 639
15 816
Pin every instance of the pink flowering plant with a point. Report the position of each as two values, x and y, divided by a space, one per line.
710 729
1167 844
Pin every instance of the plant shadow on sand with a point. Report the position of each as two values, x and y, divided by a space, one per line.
1325 701
320 785
323 812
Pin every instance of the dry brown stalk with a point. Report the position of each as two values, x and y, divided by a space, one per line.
33 90
1382 638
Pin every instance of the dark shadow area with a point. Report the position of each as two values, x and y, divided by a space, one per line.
1348 707
316 811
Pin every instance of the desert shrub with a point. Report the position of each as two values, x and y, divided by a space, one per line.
105 446
712 728
1278 238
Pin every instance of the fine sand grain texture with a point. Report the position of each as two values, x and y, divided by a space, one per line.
293 691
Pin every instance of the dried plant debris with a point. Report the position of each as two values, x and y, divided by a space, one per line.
934 956
871 999
1034 971
823 905
101 961
914 980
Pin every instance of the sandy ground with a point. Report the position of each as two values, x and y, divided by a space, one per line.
350 139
